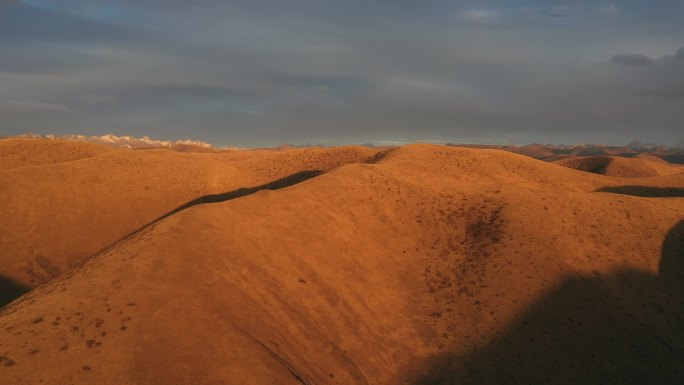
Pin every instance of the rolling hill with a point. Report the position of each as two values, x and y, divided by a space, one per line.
418 265
60 212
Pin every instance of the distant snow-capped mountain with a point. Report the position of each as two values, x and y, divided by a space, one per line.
637 145
130 141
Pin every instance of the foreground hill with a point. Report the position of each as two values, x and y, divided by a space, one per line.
58 213
422 265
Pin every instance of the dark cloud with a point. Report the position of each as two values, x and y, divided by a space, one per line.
662 78
634 60
30 24
680 54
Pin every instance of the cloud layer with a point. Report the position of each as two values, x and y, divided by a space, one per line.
263 72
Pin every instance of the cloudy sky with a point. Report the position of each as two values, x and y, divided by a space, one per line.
265 72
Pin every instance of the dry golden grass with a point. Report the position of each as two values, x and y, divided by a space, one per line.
419 265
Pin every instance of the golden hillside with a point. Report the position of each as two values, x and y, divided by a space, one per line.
420 265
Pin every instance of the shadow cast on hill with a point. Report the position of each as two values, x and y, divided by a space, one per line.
287 181
645 191
676 158
10 290
621 328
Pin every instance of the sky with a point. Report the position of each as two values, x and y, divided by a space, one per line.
267 72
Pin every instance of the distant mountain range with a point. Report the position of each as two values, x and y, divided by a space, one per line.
552 152
133 142
549 152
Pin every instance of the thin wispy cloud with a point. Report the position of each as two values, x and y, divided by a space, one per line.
23 107
94 99
609 10
480 15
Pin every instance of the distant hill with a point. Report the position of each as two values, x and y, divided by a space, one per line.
551 152
640 166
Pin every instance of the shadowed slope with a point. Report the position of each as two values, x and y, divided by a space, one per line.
645 191
676 159
10 290
594 164
621 167
672 262
625 327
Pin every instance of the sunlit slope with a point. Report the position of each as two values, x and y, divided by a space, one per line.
15 152
384 273
55 215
